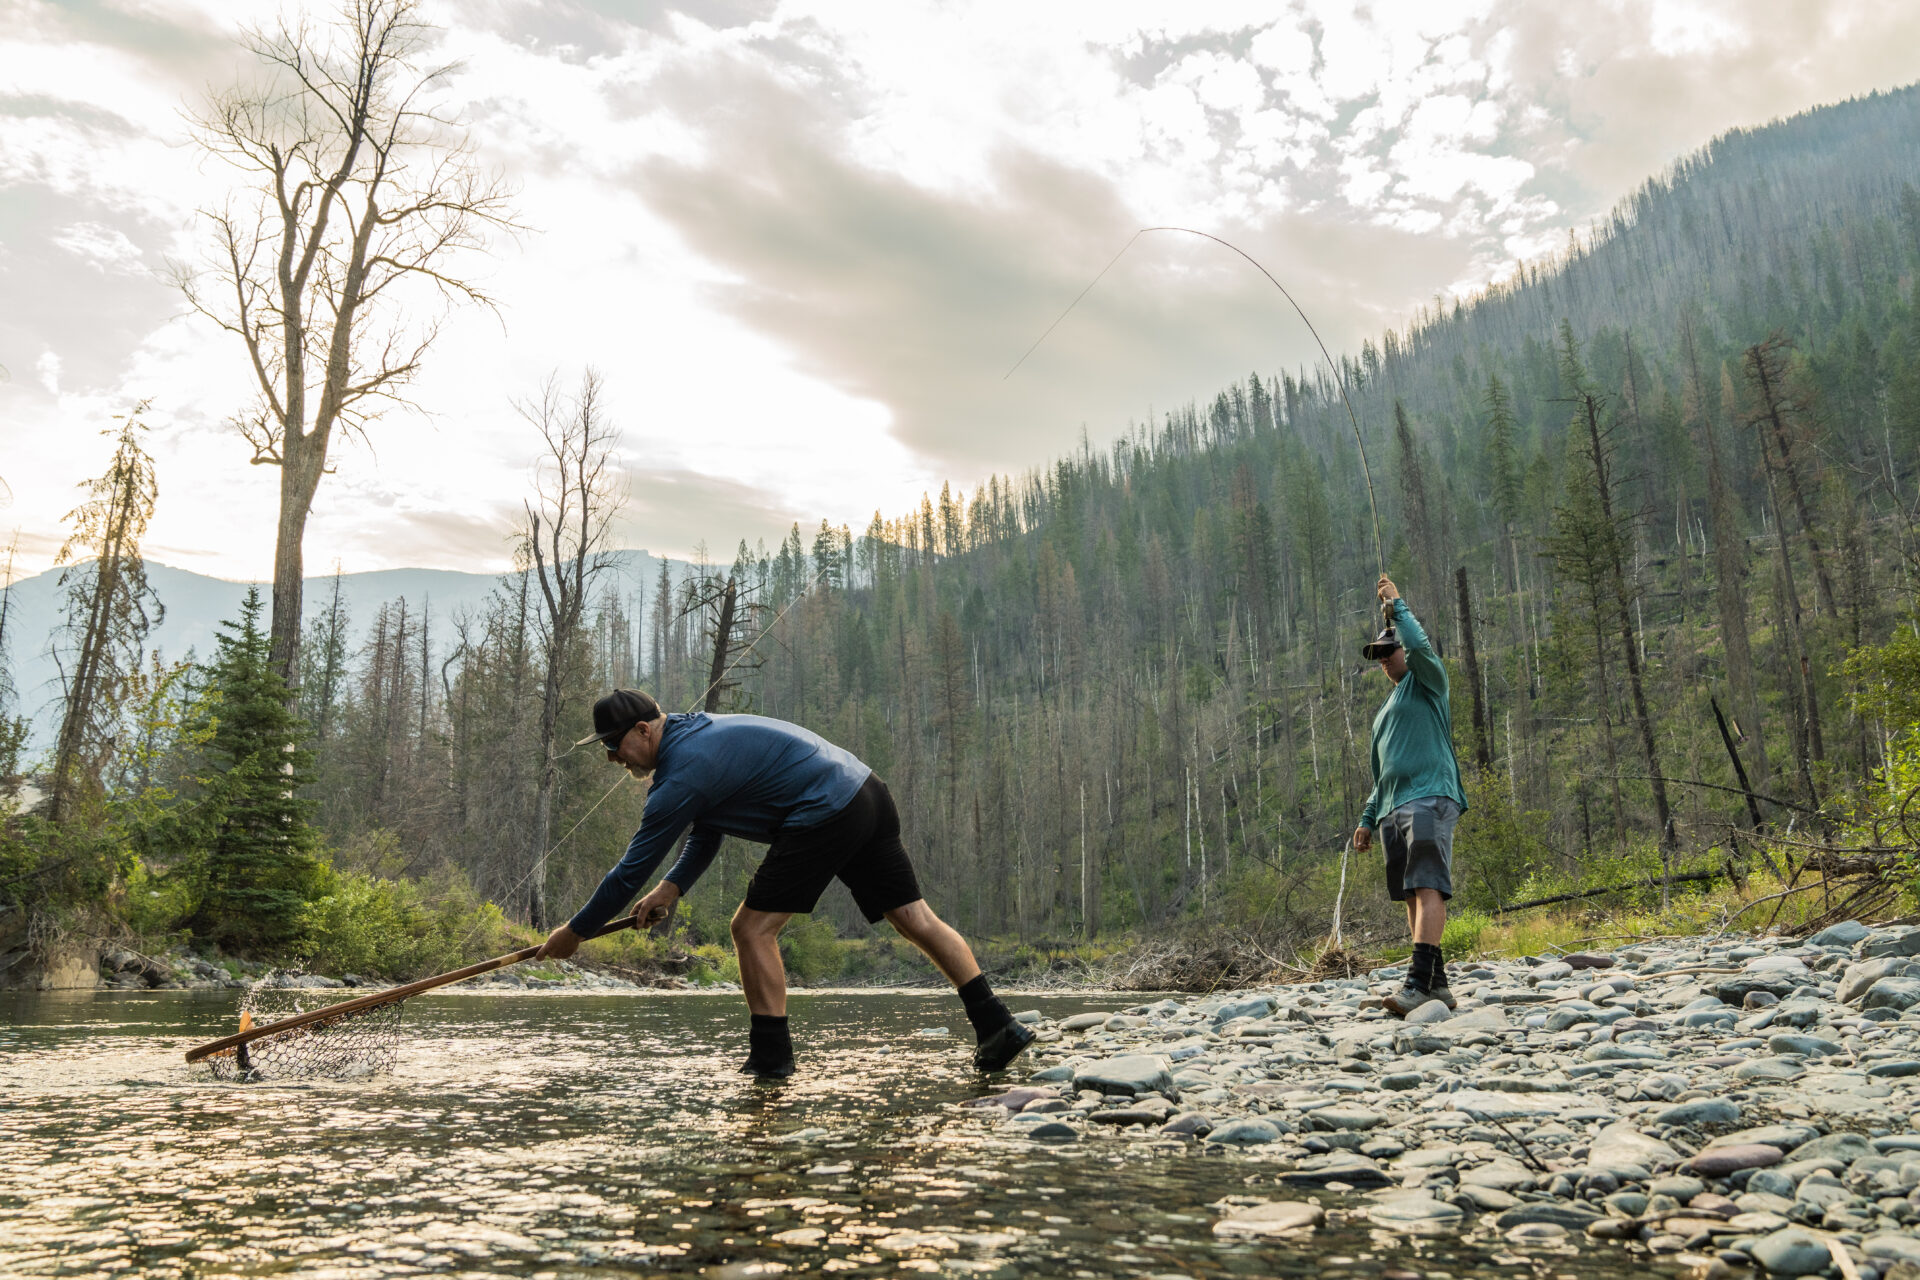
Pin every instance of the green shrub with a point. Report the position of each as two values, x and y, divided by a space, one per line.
156 904
725 966
812 949
1461 937
365 924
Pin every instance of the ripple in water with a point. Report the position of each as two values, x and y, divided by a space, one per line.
573 1136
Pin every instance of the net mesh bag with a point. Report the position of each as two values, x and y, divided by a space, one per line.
357 1043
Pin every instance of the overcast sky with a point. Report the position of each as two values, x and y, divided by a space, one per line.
804 241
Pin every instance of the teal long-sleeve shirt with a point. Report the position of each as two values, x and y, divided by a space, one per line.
1413 733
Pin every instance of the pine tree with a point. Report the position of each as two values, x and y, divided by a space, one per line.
259 865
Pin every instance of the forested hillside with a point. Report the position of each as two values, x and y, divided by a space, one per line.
1673 468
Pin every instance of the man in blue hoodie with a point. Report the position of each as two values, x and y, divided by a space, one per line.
824 816
1416 797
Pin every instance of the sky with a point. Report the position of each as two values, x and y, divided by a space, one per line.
803 243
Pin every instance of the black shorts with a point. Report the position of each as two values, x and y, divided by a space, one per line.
860 844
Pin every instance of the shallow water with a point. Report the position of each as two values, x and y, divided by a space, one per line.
561 1135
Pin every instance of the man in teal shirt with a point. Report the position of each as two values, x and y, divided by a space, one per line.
1416 797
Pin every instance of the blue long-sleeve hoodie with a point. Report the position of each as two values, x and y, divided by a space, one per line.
746 776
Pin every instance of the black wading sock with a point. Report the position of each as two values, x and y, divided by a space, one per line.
1428 970
984 1009
769 1047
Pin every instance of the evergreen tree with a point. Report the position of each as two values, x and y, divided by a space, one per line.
258 867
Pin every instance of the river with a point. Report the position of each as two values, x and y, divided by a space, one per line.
560 1135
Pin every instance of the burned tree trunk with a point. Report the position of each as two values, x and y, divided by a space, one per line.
1483 738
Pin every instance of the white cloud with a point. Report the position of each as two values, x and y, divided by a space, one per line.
102 248
1457 133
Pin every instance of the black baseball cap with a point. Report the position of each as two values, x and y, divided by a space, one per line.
618 712
1373 650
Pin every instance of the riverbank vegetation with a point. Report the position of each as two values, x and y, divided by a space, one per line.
1655 501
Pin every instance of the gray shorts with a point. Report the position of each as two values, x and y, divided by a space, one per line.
1418 837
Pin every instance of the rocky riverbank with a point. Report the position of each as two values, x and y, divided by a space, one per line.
1739 1106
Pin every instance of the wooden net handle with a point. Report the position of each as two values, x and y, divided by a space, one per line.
378 998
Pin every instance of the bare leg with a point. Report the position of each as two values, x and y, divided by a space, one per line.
1427 915
927 931
756 942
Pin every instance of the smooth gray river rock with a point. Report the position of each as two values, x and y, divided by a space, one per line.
1351 1119
1572 1215
1195 1124
1804 1045
1258 1007
1859 977
1129 1073
1843 1147
1244 1132
1619 1145
1778 1070
1791 1252
1892 993
1701 1111
1718 1162
1352 1170
1898 940
1279 1218
1844 934
1414 1209
1785 1136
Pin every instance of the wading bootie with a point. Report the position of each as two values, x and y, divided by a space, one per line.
1426 980
1000 1038
769 1048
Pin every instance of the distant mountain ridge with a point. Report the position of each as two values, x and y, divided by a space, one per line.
196 604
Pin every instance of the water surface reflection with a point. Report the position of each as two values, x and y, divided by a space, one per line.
569 1136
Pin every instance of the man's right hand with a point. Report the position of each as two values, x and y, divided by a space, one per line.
1362 839
657 905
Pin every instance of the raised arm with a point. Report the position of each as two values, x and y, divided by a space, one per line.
1422 663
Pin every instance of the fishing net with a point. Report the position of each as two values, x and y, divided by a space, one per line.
357 1043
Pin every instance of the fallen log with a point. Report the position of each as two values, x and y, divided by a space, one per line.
1689 878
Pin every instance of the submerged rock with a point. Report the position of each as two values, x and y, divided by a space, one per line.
1280 1217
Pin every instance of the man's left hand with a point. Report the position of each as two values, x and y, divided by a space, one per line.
560 944
1387 590
657 905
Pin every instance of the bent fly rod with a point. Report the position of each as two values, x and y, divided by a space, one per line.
1366 471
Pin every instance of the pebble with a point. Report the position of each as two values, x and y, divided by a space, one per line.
1589 1101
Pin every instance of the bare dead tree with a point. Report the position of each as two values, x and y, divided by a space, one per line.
565 537
109 608
360 207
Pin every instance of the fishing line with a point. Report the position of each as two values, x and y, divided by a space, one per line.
1339 382
764 633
